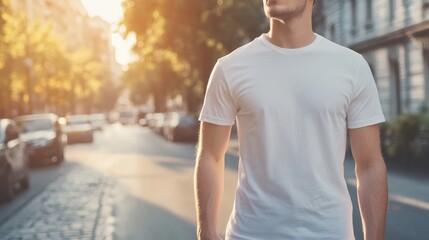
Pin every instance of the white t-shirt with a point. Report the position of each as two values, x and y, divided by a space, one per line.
293 108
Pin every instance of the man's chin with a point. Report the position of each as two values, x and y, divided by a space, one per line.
276 13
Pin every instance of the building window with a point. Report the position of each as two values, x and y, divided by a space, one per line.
354 17
426 66
332 32
396 86
392 9
425 4
369 15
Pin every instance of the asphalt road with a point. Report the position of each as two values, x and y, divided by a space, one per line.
152 189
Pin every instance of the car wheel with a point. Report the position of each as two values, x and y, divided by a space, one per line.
7 192
25 183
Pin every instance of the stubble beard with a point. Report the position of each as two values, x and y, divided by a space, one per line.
284 13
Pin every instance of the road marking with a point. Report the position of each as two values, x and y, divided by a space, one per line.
352 181
399 198
410 201
234 152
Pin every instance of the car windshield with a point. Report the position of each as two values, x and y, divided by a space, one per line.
126 114
35 125
97 117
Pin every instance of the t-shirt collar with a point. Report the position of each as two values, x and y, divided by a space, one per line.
290 51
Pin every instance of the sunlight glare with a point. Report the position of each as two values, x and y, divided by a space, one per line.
111 11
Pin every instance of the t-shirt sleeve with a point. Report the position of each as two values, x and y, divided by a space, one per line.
365 108
218 107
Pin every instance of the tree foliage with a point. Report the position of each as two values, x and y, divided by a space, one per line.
186 36
37 65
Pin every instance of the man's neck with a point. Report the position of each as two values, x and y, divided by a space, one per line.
293 33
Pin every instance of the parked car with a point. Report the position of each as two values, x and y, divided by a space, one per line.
43 136
112 117
181 127
159 119
13 161
141 115
97 121
142 119
78 129
143 122
150 119
128 117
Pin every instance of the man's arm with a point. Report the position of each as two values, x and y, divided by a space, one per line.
208 179
371 180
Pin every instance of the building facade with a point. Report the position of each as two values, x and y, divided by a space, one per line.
68 17
70 21
393 36
100 41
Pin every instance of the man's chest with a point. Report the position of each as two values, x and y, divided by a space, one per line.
293 90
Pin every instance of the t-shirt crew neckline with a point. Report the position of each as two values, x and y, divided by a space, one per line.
290 51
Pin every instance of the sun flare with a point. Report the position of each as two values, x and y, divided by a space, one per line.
111 11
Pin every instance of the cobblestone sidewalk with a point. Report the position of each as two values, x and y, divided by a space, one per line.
78 205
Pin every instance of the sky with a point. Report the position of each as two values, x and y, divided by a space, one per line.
111 11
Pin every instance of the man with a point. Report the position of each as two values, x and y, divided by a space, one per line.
294 95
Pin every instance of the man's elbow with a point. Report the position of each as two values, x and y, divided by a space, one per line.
374 163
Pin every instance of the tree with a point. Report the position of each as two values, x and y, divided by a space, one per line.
197 31
107 96
85 78
12 49
36 64
50 67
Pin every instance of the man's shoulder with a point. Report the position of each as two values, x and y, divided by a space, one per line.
243 52
339 55
339 50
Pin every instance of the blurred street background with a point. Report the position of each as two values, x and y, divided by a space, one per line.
99 103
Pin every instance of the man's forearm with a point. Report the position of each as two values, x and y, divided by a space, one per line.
373 198
208 194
